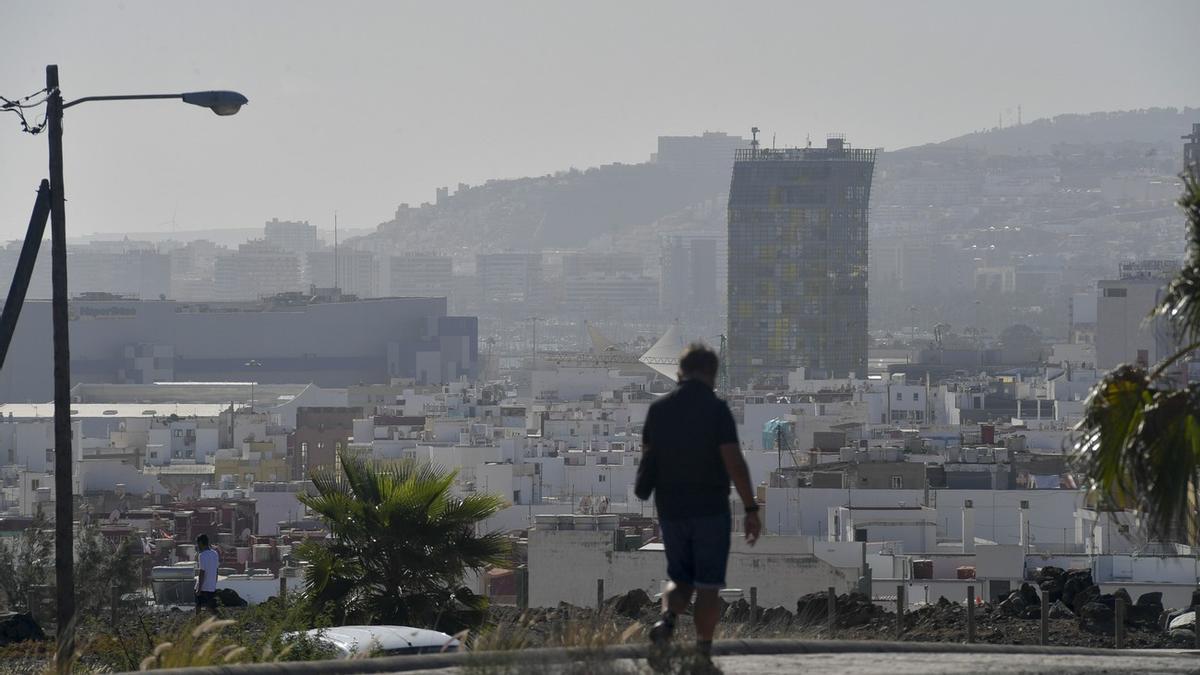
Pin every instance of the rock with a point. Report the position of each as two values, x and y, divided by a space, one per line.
1108 600
778 617
1030 595
1052 589
1144 616
1032 613
631 604
1075 581
1095 616
738 612
227 597
813 608
1122 594
1083 597
1013 605
1154 598
1059 610
19 628
856 609
1183 637
1050 573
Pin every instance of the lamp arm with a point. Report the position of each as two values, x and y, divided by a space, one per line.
127 97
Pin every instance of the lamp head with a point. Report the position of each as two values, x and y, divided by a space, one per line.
220 102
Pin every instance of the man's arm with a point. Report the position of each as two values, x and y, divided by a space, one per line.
739 472
200 581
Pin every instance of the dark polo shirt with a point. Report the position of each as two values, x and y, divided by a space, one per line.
685 430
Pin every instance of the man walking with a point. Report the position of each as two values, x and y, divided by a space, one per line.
690 453
207 562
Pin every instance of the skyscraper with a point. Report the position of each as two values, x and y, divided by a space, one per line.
798 262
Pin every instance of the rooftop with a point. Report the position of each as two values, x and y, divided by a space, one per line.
113 410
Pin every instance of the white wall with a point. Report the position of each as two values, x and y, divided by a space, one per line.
564 567
1051 514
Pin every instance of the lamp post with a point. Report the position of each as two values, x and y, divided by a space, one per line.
221 103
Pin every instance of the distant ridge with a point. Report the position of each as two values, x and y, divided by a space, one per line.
1152 126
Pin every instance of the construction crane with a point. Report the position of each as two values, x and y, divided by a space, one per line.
722 367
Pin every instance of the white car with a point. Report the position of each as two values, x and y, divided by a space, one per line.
350 641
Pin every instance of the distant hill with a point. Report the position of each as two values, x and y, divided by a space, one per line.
1153 126
563 210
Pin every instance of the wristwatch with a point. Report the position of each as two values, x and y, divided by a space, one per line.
751 508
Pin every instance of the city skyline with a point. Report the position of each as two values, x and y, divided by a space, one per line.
386 109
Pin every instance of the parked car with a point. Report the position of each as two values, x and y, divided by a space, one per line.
349 641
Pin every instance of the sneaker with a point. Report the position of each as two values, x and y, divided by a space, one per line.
659 657
662 630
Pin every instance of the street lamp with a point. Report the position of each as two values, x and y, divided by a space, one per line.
221 103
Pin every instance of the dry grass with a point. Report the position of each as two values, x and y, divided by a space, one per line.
502 649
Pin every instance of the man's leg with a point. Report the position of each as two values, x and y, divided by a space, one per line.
707 613
677 598
677 542
712 557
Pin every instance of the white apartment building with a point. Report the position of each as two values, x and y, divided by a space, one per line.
509 277
568 554
1124 334
256 270
292 236
356 271
420 275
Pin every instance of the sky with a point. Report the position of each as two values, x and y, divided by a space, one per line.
359 106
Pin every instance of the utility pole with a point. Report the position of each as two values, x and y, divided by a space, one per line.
220 102
64 515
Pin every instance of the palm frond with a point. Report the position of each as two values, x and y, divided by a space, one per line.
1181 303
402 541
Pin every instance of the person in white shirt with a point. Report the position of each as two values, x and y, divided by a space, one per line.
207 561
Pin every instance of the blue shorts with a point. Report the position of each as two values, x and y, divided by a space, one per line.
697 549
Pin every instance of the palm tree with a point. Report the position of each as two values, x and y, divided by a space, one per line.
1138 443
399 545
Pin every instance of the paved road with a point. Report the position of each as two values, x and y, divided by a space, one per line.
899 664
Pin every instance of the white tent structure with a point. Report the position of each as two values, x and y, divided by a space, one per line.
663 356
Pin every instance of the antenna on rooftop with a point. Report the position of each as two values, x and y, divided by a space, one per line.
335 252
753 138
808 140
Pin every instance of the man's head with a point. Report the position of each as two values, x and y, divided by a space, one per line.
202 542
698 363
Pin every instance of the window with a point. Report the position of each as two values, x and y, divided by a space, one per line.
897 482
916 396
602 477
1114 292
899 396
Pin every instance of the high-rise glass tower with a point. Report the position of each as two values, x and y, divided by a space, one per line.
798 262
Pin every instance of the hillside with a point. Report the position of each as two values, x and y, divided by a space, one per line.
564 210
628 205
1160 127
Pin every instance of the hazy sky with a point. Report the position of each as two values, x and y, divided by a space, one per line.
358 106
